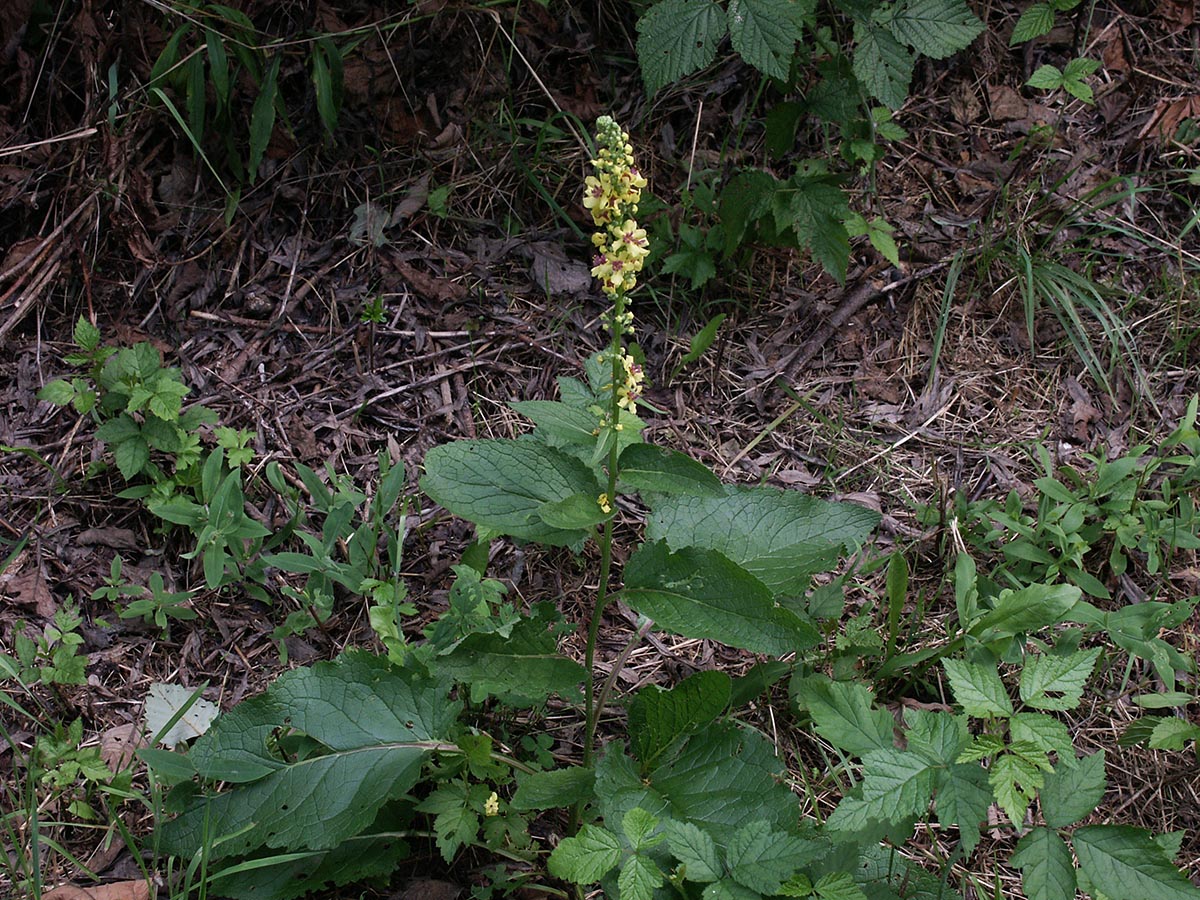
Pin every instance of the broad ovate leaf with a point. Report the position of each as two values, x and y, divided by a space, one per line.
703 594
501 485
376 725
781 537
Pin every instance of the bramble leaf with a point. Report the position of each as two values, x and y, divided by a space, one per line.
1047 870
843 714
1129 864
1056 682
882 64
638 879
978 689
587 857
1037 20
765 32
677 38
694 848
1073 789
936 28
762 859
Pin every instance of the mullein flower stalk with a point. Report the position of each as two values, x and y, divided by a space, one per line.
612 195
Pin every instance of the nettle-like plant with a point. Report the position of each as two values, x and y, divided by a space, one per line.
340 771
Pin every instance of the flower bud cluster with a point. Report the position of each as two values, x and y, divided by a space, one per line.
612 196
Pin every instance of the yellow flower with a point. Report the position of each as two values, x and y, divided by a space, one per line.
605 506
491 806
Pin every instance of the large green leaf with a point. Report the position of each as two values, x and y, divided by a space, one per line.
1056 682
963 798
761 858
562 423
844 715
702 594
290 875
765 32
524 667
978 689
375 725
658 470
658 718
1073 789
1047 870
676 38
500 485
1026 610
1128 864
936 28
896 785
720 779
882 64
782 537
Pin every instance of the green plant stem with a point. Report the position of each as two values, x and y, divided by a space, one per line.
614 413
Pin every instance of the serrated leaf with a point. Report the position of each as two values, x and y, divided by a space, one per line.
729 890
164 701
963 799
1170 733
815 211
1047 870
587 857
1073 790
656 469
677 38
695 850
638 827
936 28
781 537
1015 782
938 736
1046 77
896 785
1056 682
58 392
882 64
720 779
86 335
638 879
1129 864
844 715
557 788
765 32
1045 732
1035 21
701 593
377 723
500 485
658 718
838 886
978 689
131 456
762 859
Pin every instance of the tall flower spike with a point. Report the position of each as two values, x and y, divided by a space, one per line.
612 196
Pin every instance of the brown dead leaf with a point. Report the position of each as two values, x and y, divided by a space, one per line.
1179 13
556 274
1113 54
117 890
441 289
14 17
118 743
19 253
108 536
1168 114
1006 104
30 589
